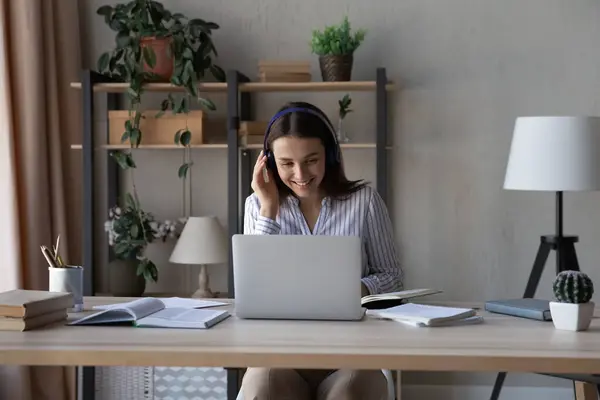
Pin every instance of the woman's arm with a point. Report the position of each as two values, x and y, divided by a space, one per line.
256 224
385 273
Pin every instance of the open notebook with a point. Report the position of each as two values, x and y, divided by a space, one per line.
387 300
428 315
153 313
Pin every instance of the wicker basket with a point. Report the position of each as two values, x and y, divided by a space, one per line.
336 68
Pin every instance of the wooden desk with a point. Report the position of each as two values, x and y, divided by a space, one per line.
502 343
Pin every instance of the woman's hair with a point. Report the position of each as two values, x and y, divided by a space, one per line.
304 124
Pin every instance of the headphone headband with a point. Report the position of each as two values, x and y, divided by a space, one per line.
299 109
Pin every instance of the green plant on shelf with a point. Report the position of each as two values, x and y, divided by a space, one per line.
153 44
337 39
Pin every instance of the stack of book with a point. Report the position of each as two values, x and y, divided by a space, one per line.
23 310
284 71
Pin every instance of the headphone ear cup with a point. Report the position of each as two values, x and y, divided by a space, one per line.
332 157
271 161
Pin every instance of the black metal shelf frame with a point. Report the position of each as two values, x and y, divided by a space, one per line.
239 175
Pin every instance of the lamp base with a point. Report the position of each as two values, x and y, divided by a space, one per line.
565 249
566 261
204 294
203 285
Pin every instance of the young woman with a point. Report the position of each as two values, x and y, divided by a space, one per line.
300 188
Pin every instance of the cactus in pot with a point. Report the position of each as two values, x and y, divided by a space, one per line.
573 307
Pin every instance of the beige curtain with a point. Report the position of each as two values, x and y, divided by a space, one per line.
39 119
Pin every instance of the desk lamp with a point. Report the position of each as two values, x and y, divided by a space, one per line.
203 242
556 154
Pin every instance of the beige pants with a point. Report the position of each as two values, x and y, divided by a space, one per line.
293 384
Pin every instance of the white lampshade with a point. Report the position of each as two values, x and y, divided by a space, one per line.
202 241
554 154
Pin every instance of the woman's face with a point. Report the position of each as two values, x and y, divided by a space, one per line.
300 164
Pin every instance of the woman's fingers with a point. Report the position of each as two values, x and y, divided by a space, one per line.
258 161
258 174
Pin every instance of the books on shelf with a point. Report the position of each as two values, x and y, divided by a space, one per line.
422 315
284 71
23 310
150 312
386 300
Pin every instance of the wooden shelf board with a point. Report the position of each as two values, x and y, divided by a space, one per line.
213 146
153 87
311 86
249 87
155 146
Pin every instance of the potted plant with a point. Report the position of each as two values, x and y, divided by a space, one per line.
343 110
130 230
154 44
335 46
573 308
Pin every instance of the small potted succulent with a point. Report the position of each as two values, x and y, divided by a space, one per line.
335 46
573 308
343 111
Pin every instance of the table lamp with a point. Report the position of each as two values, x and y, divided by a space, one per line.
555 154
203 242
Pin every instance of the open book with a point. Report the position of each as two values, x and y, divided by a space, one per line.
386 300
152 312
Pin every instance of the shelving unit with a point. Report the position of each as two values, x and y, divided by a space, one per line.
238 90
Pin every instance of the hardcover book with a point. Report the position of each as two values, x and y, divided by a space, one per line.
537 309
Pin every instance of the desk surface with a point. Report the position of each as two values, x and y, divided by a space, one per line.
502 343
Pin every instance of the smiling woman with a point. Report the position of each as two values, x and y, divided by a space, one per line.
300 188
39 57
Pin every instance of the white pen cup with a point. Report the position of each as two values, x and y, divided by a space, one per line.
68 279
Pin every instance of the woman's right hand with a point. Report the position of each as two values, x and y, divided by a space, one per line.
266 191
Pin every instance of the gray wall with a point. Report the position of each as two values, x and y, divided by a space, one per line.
467 69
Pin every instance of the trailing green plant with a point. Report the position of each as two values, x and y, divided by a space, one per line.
130 230
344 106
190 46
573 287
337 39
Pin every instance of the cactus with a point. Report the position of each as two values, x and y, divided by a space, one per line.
573 287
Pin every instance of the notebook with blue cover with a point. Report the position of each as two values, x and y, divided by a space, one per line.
537 309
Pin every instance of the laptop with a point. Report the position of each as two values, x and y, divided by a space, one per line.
297 277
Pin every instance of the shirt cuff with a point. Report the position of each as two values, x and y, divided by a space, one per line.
371 284
266 226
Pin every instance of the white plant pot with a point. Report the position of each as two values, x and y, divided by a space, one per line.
571 316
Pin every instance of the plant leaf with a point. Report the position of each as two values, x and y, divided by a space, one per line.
104 11
149 56
123 39
178 136
183 169
207 103
103 62
218 73
186 137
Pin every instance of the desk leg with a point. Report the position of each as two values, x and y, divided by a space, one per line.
233 385
585 391
85 383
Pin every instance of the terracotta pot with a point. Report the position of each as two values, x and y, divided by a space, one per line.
124 281
164 61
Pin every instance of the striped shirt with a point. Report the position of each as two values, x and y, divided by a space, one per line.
362 214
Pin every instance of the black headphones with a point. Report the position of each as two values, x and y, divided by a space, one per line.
332 153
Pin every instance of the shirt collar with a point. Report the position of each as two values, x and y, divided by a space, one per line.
295 201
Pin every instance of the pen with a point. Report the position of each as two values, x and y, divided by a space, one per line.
46 252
